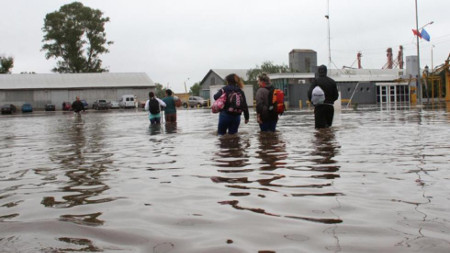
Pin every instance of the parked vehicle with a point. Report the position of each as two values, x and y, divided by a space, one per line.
27 108
127 101
100 104
50 107
85 104
195 101
114 105
9 109
66 106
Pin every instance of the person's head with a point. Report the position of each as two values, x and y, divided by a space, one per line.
169 92
322 70
77 98
232 79
151 94
263 80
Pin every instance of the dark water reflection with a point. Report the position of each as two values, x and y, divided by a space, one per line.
378 181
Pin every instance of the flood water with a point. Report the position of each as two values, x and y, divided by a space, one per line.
378 181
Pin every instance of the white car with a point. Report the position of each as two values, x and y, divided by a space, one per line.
114 105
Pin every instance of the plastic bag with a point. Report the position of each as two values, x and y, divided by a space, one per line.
218 104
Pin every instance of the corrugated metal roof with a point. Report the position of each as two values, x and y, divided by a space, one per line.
78 80
350 75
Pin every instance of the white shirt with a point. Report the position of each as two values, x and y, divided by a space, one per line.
147 104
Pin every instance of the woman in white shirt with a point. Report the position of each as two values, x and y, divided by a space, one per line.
153 106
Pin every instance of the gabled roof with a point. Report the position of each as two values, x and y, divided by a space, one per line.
222 73
78 80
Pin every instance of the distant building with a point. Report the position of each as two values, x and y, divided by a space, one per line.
362 86
216 77
42 89
302 61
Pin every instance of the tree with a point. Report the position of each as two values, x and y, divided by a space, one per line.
76 35
266 67
195 90
159 90
6 64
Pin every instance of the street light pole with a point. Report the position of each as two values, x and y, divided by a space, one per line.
418 82
432 67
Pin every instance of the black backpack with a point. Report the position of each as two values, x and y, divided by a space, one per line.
235 102
153 105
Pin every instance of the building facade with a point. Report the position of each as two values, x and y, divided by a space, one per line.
42 89
356 86
216 77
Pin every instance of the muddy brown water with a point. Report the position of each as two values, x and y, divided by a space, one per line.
378 181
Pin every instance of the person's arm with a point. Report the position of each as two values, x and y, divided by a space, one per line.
147 106
335 91
260 101
161 103
246 114
218 94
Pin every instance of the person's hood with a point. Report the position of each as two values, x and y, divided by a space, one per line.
322 70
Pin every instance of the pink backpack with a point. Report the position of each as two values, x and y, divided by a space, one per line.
218 105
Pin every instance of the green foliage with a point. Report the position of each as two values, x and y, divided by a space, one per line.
159 92
76 35
6 64
266 67
195 90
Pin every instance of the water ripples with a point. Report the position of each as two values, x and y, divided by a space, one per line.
109 182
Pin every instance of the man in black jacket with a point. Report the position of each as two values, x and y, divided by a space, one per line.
77 105
323 113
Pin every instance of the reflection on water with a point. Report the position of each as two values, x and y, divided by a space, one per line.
109 181
78 150
271 175
168 128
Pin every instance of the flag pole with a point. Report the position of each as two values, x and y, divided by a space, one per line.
418 81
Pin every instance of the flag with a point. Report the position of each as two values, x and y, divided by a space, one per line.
416 33
425 35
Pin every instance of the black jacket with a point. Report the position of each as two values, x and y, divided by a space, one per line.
77 106
228 89
327 84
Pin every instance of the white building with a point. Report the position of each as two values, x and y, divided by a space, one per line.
42 89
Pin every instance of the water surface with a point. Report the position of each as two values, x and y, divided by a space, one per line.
378 181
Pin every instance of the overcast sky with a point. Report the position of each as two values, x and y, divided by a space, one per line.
177 41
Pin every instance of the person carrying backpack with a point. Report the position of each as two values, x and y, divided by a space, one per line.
267 117
235 105
153 106
323 107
